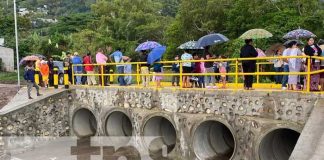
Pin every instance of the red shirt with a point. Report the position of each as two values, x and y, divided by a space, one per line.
87 60
197 68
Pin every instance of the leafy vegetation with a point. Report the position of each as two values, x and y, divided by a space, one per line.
86 25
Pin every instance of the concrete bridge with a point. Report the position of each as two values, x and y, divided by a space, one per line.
192 124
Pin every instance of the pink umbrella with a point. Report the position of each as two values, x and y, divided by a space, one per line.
260 53
28 58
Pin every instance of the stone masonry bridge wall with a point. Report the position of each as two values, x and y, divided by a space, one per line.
192 124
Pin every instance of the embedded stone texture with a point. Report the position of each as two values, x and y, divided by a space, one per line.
48 117
249 115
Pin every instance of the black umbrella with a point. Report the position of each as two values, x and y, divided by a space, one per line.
211 39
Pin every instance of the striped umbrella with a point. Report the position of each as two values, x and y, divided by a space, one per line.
147 46
299 33
256 34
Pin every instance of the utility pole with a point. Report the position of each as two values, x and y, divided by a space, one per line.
16 35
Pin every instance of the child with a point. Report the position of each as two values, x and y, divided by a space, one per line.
128 70
222 70
203 70
29 76
176 70
157 69
198 69
44 70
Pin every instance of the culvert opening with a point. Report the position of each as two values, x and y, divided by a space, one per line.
213 140
278 144
164 135
118 124
84 123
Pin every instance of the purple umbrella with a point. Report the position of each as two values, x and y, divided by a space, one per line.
299 33
147 46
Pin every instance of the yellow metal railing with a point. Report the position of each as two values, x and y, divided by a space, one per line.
236 62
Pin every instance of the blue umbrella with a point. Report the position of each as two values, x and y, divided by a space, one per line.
156 54
147 46
211 39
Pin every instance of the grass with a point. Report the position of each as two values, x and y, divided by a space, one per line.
11 77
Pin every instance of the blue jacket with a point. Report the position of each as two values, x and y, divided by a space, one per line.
29 74
77 60
175 68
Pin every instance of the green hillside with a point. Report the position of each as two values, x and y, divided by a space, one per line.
86 25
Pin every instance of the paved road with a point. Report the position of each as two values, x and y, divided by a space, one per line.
7 92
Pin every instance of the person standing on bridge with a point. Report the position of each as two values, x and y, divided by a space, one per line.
321 45
176 70
118 57
249 66
144 69
77 60
294 64
101 59
44 70
312 49
29 76
186 68
87 60
50 64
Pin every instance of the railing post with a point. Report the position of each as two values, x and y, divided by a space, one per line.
66 78
73 82
258 76
102 76
138 71
308 74
36 76
180 78
55 78
236 73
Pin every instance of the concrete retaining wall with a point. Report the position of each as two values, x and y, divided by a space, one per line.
7 56
249 116
222 124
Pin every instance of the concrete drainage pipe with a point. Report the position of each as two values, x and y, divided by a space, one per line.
164 134
213 140
278 144
84 123
118 124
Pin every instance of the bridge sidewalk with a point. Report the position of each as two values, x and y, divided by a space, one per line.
310 145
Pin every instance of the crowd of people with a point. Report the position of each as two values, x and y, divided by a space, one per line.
299 82
85 65
192 71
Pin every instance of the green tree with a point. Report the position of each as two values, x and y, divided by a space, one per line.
133 21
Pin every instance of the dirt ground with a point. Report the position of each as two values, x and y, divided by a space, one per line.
7 92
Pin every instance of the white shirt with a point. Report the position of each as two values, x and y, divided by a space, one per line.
285 53
186 57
